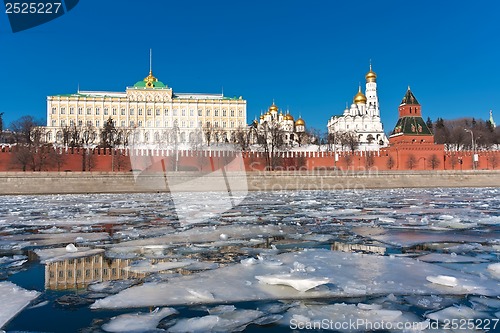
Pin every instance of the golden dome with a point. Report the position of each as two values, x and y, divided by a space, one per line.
300 122
273 107
359 98
371 76
261 116
288 117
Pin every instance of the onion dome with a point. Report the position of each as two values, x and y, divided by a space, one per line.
261 117
371 76
300 122
273 108
288 117
150 82
359 98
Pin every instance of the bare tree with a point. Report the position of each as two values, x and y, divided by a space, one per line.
434 161
390 162
208 133
22 129
109 134
242 138
411 162
271 141
88 139
350 140
369 160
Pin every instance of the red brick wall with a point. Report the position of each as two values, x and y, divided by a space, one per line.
104 160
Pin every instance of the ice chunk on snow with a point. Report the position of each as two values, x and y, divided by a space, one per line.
443 280
71 248
354 275
300 283
441 257
145 266
201 294
13 300
137 322
495 268
229 321
456 312
59 254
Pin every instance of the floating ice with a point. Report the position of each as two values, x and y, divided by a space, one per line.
13 299
71 248
229 321
145 266
303 283
456 312
442 257
495 268
353 275
59 254
137 322
443 280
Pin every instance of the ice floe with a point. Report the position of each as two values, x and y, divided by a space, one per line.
13 299
137 322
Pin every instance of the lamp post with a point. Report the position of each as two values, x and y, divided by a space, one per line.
473 148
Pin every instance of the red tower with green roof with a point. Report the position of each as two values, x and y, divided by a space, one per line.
411 127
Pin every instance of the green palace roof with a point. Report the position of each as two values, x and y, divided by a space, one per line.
411 126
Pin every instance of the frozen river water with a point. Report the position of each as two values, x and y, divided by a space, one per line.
402 260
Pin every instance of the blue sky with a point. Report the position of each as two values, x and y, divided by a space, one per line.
309 56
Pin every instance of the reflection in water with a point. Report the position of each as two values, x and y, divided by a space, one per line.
77 273
346 247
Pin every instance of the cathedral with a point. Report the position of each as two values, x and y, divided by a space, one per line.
363 117
294 130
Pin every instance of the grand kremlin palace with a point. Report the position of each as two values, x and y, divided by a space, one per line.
150 109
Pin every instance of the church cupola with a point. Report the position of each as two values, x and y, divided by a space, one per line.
359 98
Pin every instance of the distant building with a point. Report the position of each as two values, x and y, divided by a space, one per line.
149 112
292 128
363 116
492 122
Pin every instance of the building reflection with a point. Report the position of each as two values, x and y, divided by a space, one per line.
77 273
347 247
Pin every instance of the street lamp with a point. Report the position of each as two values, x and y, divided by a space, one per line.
473 148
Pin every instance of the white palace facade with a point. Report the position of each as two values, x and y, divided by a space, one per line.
148 112
363 116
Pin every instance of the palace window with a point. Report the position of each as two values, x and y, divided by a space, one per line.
232 113
224 113
53 123
148 123
114 111
149 112
106 111
54 110
63 123
122 111
199 123
71 110
191 123
200 112
123 123
97 111
140 123
208 113
132 111
89 123
216 124
132 123
80 123
224 124
89 111
158 123
191 112
139 112
240 113
183 124
232 124
166 123
157 112
240 123
183 112
208 124
146 137
216 112
175 112
97 123
80 110
165 112
71 122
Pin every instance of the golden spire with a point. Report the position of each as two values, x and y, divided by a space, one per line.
371 76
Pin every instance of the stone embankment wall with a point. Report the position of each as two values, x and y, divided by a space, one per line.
102 182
